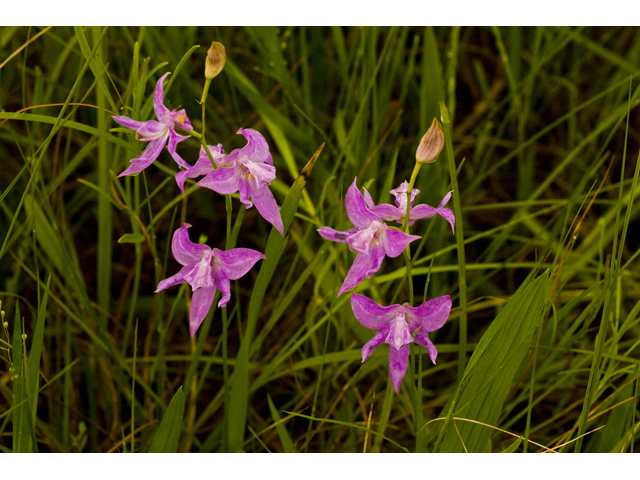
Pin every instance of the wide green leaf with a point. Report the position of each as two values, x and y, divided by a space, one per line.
491 371
168 434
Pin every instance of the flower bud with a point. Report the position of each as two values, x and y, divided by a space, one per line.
216 58
431 144
5 325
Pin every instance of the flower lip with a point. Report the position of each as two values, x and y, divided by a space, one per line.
372 236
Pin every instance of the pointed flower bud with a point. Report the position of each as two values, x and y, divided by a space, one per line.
431 144
216 58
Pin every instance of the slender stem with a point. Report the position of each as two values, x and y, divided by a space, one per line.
205 91
412 181
225 359
225 373
462 271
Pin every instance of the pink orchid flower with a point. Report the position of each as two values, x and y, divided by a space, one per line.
371 238
248 170
397 326
157 132
206 270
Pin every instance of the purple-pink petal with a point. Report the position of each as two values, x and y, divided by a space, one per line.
367 199
388 212
377 339
448 215
257 148
176 279
202 167
235 263
244 190
217 153
184 250
445 199
201 301
422 338
147 157
425 211
370 314
431 315
397 241
335 235
179 160
398 361
158 99
266 204
260 174
150 129
174 139
400 193
127 122
356 207
222 180
223 283
363 266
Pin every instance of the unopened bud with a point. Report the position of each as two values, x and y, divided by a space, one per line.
216 58
5 325
431 144
24 336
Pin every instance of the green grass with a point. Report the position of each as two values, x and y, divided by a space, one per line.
541 349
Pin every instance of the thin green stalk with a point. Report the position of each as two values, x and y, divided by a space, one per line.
133 388
225 325
457 210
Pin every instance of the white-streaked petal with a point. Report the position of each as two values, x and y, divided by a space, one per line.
399 333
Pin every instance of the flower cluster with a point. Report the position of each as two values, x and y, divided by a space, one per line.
248 171
372 239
